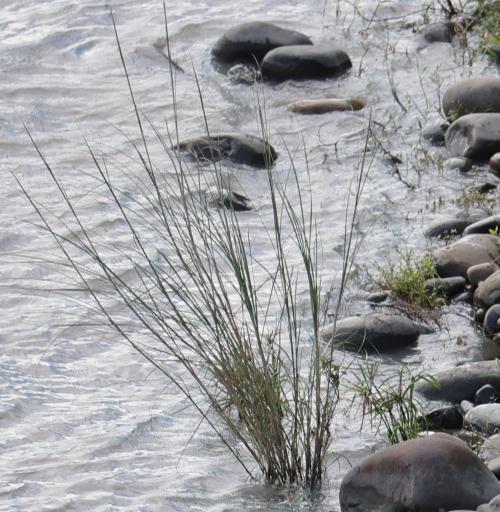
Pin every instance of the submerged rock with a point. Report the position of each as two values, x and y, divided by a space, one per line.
305 62
446 228
459 163
232 201
241 74
456 258
377 332
252 40
486 225
438 32
325 105
438 472
475 136
243 149
461 383
485 418
435 134
472 95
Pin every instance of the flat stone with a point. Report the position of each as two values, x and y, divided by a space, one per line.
478 273
472 95
484 418
475 136
378 332
438 472
252 40
305 62
323 106
462 382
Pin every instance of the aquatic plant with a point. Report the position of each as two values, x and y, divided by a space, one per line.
236 332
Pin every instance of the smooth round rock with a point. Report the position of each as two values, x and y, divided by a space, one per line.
478 273
488 291
243 149
252 40
475 136
486 395
462 382
455 259
438 472
377 332
446 228
495 162
445 418
446 287
438 32
490 322
471 95
458 163
435 134
305 62
484 418
323 106
486 225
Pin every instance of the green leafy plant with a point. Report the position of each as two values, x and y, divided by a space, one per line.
487 17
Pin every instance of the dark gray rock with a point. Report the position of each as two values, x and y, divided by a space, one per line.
484 418
305 62
446 287
490 322
233 201
465 298
488 291
252 40
377 297
487 186
377 332
486 395
445 418
243 149
472 95
438 32
484 226
438 472
458 163
456 258
478 273
462 382
446 228
435 134
479 315
475 136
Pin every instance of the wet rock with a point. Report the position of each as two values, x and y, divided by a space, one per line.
488 291
458 163
485 188
251 41
456 258
438 472
462 382
243 149
305 62
472 95
446 228
479 315
377 297
438 32
435 134
445 418
478 273
446 287
233 201
325 105
490 322
495 162
485 418
465 298
466 406
241 74
475 136
486 395
486 225
377 332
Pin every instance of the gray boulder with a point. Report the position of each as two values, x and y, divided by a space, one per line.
430 474
250 41
478 273
485 418
475 136
462 382
484 225
456 258
243 149
471 95
488 291
305 62
377 332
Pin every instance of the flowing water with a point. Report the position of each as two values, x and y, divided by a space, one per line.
85 423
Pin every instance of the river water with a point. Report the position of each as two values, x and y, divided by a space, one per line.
85 423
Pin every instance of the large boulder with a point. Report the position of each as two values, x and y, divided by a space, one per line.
304 62
430 474
488 291
243 149
476 94
456 258
485 418
462 382
377 332
476 136
252 40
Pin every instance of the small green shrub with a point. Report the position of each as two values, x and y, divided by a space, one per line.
487 16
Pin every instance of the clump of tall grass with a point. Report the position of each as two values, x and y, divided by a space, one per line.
230 329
